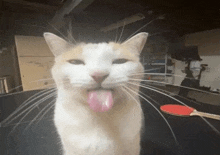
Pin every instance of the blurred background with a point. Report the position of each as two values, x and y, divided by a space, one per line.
183 43
181 33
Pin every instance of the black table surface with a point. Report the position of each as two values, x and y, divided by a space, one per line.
194 135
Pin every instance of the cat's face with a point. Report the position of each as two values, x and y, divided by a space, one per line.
95 66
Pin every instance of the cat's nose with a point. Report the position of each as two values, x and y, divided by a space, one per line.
99 78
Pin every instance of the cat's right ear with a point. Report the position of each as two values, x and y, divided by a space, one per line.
56 44
137 42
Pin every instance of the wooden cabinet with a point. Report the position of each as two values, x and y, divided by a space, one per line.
35 61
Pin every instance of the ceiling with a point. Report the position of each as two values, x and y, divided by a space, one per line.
168 18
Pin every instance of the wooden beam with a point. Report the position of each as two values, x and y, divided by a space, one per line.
123 22
69 6
36 6
84 4
128 5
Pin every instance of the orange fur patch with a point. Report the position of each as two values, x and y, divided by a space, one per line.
74 53
124 51
120 50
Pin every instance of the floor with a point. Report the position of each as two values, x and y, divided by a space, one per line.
193 135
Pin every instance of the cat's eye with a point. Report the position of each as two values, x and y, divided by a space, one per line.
120 61
76 62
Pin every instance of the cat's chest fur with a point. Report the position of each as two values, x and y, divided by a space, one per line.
85 129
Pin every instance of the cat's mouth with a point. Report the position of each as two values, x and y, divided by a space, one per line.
100 99
100 88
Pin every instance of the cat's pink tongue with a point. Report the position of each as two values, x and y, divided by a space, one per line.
100 100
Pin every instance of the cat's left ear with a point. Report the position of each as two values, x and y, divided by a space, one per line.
137 42
56 44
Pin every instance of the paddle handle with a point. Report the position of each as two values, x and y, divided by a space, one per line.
203 114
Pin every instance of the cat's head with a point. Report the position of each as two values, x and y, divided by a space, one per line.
95 66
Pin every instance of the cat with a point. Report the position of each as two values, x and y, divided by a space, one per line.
94 112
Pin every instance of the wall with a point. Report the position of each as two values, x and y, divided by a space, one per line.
211 76
6 67
35 62
208 43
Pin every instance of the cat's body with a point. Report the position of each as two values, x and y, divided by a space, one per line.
84 132
88 127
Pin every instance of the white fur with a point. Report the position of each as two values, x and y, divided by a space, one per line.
83 131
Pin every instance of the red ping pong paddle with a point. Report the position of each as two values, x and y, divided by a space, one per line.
180 110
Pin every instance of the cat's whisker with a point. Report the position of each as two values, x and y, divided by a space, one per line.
9 94
152 69
174 136
147 70
153 81
23 105
190 101
116 33
213 128
66 38
162 90
158 92
40 113
149 74
47 79
149 98
159 17
30 109
70 32
169 97
130 95
121 32
41 117
163 74
15 88
41 87
24 122
159 33
21 113
47 86
35 97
